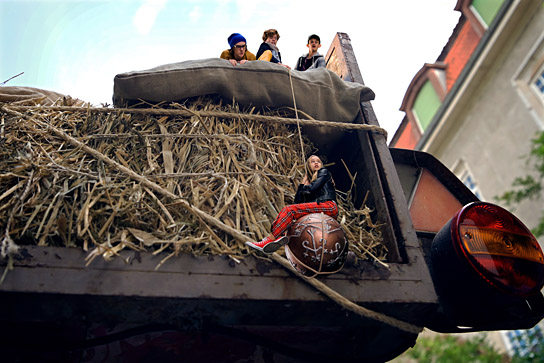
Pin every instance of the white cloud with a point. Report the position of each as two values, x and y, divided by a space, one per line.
195 14
246 10
390 46
146 15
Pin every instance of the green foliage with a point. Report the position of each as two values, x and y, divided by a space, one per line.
451 349
530 186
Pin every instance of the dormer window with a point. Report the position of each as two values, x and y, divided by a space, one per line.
425 105
425 95
485 10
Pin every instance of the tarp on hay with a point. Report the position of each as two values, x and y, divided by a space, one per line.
30 96
319 93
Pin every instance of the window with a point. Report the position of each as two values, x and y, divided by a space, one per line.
486 10
529 81
538 84
523 342
468 180
425 105
463 173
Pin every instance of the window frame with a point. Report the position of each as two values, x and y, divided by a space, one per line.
521 342
539 77
479 16
523 81
462 171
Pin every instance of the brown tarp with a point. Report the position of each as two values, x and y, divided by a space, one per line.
29 96
320 92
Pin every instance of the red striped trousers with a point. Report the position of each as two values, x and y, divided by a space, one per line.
292 212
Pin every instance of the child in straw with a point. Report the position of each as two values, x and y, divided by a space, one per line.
316 194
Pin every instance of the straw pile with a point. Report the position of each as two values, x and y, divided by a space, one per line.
234 169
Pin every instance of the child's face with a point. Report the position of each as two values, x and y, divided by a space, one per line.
315 163
272 40
313 45
239 50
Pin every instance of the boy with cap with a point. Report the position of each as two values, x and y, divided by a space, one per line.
313 59
238 53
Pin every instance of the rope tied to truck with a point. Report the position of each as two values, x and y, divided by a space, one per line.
176 199
184 112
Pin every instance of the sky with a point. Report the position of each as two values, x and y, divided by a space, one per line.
77 47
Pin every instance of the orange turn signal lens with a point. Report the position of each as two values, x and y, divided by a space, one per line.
499 247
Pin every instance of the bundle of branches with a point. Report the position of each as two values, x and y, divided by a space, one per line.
108 181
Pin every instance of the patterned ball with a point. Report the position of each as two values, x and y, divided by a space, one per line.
317 245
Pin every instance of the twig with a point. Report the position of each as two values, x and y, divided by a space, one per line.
9 79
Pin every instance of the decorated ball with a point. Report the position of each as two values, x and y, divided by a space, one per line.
317 245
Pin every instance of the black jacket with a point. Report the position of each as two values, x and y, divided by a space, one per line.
264 47
317 62
320 190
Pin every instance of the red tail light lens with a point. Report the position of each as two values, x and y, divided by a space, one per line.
499 247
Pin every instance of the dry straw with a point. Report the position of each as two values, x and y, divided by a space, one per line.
108 181
201 181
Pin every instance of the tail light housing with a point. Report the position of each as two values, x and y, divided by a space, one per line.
499 248
488 270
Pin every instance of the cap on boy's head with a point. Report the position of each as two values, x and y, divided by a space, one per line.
236 38
314 36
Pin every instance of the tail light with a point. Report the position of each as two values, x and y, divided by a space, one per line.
499 248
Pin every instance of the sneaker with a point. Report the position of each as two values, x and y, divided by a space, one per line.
269 246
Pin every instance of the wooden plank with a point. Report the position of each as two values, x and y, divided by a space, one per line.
391 204
63 271
74 259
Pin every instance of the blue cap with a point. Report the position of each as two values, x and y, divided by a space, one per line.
236 38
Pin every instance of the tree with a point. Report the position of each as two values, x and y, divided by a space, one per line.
452 349
530 186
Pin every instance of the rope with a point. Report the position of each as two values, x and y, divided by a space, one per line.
348 304
203 113
320 286
316 272
298 121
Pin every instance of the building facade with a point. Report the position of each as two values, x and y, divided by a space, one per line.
478 107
